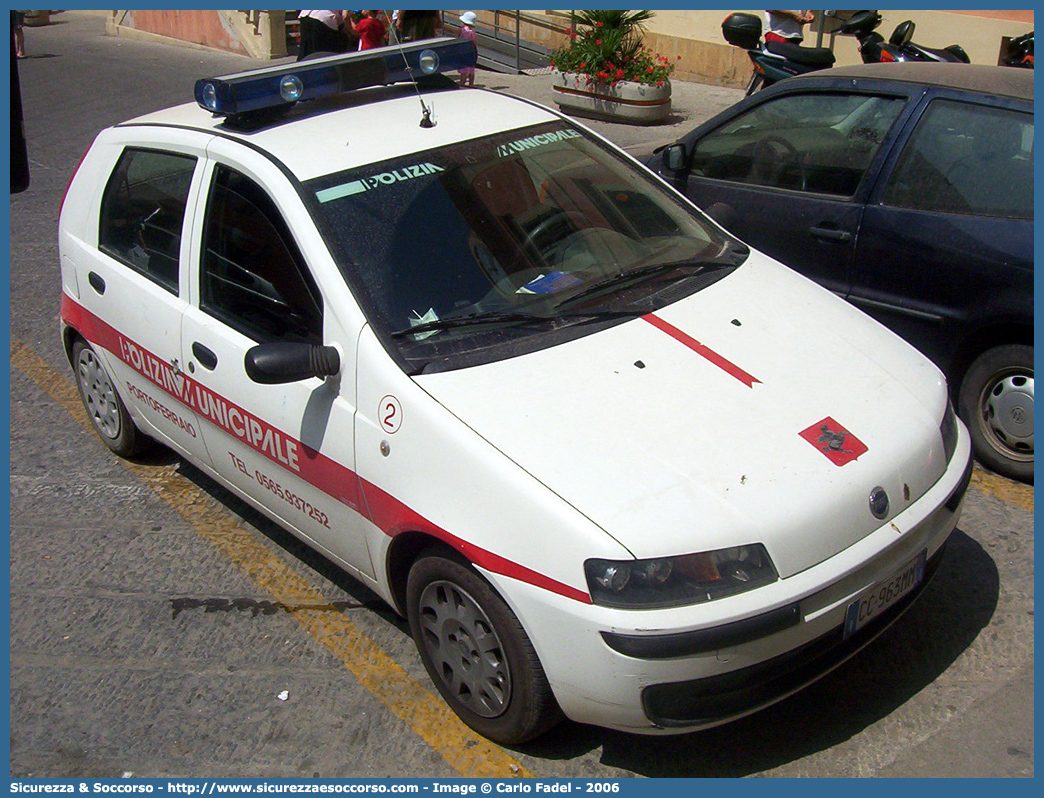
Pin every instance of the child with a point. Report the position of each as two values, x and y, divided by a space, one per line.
467 31
370 29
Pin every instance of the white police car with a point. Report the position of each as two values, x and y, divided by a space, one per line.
608 460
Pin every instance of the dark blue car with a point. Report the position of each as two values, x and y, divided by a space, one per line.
908 190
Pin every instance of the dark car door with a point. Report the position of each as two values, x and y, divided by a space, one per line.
946 247
790 174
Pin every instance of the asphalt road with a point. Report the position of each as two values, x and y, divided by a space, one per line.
159 627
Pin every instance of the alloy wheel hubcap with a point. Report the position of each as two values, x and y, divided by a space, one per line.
467 653
1007 413
98 395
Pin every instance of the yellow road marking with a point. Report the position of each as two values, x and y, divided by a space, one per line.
1004 489
427 715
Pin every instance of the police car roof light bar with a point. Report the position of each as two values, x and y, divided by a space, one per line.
280 86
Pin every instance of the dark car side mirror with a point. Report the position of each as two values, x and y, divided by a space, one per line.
674 157
279 362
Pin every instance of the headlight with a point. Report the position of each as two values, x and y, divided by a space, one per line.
948 430
675 581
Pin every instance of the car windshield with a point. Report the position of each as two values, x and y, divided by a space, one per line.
497 246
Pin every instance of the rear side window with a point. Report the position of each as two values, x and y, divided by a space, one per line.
815 143
253 276
969 159
143 212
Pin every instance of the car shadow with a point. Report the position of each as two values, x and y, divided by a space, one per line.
359 594
905 659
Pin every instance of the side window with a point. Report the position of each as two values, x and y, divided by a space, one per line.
253 276
816 143
965 158
143 210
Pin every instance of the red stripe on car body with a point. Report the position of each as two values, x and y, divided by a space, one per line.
703 351
389 514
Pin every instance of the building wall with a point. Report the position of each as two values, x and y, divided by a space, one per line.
259 34
695 35
706 57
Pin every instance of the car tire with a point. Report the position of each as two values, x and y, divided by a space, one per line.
476 651
103 404
996 402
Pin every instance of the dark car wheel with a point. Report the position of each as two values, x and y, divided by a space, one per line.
476 652
104 407
996 402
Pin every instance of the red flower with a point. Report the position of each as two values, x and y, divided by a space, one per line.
598 24
583 64
598 41
619 74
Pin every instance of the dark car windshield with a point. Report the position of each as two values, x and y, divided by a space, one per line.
484 249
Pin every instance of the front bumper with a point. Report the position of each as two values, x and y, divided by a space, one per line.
681 669
709 701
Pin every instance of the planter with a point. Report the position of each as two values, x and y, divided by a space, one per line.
624 101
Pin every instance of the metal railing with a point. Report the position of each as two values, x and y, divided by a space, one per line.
501 46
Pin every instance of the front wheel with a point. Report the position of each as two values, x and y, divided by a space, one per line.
996 402
476 652
104 407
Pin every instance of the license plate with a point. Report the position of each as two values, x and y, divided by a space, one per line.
884 594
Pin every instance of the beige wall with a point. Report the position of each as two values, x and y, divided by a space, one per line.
259 34
694 35
706 56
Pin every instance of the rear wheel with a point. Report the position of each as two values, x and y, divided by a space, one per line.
996 402
104 407
476 652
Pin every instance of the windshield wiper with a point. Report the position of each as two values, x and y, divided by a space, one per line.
511 318
641 274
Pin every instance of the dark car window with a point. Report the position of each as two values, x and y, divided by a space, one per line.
965 158
143 210
818 143
253 276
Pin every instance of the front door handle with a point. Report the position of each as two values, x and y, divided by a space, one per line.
831 234
206 358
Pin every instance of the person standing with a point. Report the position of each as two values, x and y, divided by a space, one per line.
370 29
467 31
321 32
416 25
787 26
17 20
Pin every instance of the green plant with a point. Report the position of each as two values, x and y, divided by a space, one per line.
607 46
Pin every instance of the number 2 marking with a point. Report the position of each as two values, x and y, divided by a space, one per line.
390 414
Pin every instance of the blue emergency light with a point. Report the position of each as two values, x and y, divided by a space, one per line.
280 86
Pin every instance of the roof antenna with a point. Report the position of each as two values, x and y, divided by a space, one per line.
427 120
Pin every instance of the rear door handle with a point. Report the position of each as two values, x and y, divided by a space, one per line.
206 358
96 281
831 234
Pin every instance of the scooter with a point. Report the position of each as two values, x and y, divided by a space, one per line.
900 47
773 61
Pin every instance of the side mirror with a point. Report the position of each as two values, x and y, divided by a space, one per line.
674 157
278 363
